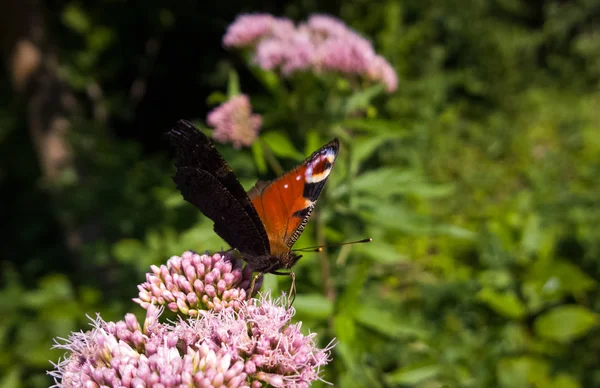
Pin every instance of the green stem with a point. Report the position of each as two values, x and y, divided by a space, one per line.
271 159
328 287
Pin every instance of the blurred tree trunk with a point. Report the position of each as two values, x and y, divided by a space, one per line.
32 64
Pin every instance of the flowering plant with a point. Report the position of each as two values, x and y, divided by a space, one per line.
322 44
319 69
221 339
319 74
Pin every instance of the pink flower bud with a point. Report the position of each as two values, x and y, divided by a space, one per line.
215 349
198 284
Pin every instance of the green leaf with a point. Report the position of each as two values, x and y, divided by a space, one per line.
100 39
205 130
380 252
412 375
216 98
572 278
564 381
525 371
345 328
454 231
201 235
268 79
553 279
496 278
384 181
356 279
521 371
386 323
395 216
362 376
566 323
173 200
12 379
166 17
281 145
504 303
75 18
346 355
363 149
313 305
373 125
362 99
313 141
532 235
259 157
387 181
127 250
52 288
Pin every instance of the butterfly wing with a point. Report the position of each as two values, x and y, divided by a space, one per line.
206 181
285 204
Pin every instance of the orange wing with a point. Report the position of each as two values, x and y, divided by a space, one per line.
284 205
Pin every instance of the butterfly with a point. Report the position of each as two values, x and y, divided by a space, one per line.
263 224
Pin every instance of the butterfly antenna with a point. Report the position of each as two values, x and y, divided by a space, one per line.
319 248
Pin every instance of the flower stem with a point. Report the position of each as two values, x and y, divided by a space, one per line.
271 160
328 288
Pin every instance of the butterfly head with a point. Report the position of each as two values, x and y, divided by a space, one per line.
288 259
269 263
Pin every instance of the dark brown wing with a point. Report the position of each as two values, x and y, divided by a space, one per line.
206 181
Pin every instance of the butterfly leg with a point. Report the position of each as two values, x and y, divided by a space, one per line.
292 293
253 283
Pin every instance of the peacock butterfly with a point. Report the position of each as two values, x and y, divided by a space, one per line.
263 224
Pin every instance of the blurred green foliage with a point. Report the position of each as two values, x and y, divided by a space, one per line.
478 181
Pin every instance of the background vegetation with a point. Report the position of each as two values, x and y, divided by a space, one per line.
478 181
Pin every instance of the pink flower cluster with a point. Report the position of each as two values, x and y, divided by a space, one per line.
322 44
234 122
193 282
255 346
